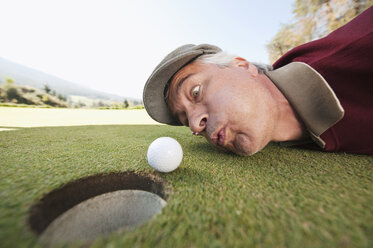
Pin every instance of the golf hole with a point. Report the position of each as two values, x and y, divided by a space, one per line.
96 206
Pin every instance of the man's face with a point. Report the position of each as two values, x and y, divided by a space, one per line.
229 106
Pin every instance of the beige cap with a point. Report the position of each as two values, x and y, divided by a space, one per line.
157 85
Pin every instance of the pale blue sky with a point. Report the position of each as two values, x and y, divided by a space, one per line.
114 45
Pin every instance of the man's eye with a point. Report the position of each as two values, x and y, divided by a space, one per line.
195 91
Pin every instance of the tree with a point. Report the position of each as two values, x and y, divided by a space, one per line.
9 81
61 97
284 40
45 99
126 104
12 93
47 89
314 19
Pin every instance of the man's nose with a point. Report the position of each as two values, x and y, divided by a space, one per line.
198 123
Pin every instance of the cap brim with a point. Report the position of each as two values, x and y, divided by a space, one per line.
153 94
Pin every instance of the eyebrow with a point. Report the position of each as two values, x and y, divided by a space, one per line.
182 81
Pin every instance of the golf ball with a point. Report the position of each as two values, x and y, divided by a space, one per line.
165 154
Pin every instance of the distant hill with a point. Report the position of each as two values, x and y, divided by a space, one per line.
13 95
23 75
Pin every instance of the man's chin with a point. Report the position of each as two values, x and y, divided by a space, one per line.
244 146
243 153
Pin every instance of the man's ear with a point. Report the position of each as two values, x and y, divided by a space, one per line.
241 62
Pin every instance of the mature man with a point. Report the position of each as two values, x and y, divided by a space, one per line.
319 95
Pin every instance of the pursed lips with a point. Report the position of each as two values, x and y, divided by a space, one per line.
218 138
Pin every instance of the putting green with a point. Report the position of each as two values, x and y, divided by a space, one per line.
279 197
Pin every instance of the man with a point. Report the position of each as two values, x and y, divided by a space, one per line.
319 95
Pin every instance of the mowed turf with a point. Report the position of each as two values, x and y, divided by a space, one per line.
280 197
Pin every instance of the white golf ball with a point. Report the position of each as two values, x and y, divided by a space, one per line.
165 154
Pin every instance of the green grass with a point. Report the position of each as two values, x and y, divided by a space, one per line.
280 197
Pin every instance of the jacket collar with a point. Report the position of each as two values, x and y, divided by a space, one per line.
311 97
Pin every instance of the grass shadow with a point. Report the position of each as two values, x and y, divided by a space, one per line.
205 147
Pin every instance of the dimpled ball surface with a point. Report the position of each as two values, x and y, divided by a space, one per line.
165 154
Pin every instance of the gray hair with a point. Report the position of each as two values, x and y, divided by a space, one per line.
225 59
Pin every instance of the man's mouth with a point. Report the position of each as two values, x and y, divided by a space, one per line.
221 137
238 145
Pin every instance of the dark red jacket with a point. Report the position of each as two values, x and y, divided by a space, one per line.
345 59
